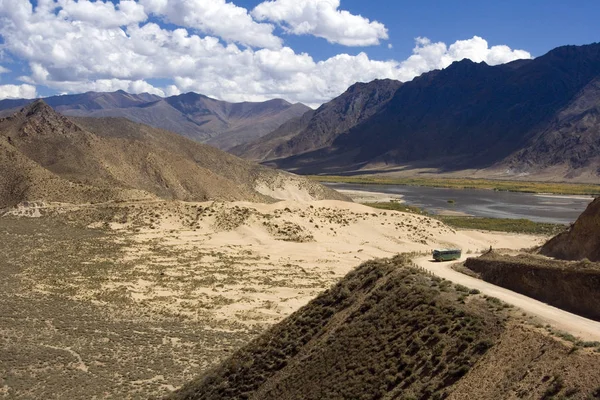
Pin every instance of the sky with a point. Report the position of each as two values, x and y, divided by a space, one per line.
307 51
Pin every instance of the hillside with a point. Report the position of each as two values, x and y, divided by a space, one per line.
46 156
581 240
389 331
193 115
526 117
318 129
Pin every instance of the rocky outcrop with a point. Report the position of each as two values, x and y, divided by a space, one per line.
582 240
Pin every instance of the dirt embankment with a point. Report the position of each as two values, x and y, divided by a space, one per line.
572 286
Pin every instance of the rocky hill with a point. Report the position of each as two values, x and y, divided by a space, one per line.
388 331
318 129
195 116
47 156
525 117
581 240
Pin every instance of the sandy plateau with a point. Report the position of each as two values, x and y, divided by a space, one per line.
138 298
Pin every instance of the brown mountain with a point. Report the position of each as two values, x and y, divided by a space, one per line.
47 156
581 240
526 117
318 129
230 124
195 116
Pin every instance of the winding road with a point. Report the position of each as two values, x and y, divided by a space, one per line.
585 329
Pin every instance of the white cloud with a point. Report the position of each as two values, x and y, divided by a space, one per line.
322 18
102 14
428 56
77 55
17 92
216 17
4 70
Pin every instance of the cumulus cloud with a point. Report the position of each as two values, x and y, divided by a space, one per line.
76 54
101 14
4 70
428 56
216 17
322 18
17 92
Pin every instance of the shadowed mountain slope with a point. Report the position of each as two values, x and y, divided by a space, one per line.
113 159
571 139
195 116
318 129
526 116
581 240
387 331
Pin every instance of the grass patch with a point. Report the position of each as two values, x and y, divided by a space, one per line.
397 206
480 223
502 225
464 183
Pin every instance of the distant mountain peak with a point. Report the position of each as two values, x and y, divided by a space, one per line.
38 107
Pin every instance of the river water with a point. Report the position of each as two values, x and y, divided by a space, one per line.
484 203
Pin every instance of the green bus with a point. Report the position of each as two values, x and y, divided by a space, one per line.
446 254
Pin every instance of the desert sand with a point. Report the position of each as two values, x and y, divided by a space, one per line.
257 263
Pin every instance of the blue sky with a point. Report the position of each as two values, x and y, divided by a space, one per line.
300 50
534 25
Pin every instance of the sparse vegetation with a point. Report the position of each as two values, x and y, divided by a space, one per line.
385 329
14 186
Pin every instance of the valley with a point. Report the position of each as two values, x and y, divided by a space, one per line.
179 246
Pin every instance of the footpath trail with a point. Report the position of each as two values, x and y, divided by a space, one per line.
585 329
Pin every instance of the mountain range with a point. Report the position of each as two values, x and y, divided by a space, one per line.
47 156
528 119
193 115
524 118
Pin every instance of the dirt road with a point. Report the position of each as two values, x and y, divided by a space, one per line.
584 328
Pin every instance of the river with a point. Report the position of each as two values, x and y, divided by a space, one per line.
484 203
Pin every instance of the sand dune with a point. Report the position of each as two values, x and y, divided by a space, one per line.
282 254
